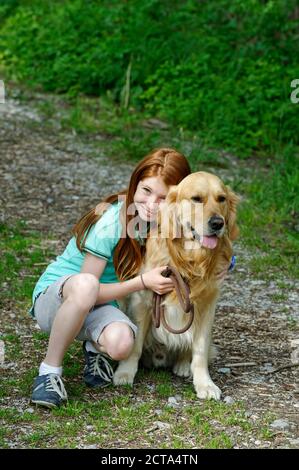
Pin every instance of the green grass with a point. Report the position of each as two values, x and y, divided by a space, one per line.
20 264
279 297
108 418
99 417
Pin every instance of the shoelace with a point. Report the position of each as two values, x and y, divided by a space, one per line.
96 369
55 384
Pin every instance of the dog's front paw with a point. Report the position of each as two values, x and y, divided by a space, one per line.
124 374
123 378
207 390
182 369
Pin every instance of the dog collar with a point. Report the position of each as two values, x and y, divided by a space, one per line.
232 263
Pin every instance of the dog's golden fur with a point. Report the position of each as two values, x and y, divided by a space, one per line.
194 254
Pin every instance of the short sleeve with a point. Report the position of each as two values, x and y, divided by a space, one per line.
105 234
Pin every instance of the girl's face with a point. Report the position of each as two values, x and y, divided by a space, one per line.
150 193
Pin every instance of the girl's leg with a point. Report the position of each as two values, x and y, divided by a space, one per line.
107 331
79 296
116 340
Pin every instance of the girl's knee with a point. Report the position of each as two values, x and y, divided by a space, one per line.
82 288
118 340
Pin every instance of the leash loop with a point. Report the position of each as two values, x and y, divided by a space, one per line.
180 286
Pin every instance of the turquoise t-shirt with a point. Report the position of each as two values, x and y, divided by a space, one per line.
101 241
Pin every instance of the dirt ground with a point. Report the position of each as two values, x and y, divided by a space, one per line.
49 177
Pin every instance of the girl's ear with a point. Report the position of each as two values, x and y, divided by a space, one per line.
233 199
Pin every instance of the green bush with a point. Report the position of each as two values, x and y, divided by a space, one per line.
7 8
222 68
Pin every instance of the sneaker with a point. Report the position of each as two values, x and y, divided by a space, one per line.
97 371
48 390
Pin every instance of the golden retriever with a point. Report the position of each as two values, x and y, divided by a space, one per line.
199 246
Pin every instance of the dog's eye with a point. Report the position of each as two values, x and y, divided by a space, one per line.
196 199
221 198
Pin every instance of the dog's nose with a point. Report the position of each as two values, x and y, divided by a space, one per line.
216 223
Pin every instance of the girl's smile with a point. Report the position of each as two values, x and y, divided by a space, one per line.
150 193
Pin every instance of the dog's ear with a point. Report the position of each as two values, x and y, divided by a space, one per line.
167 221
172 195
232 199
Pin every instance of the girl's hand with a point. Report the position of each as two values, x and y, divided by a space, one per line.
156 282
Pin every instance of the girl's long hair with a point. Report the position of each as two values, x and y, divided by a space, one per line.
171 166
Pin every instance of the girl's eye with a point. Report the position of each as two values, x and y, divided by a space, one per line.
147 190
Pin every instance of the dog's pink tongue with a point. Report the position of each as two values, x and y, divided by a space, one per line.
210 242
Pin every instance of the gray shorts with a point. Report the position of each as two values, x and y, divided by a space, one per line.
49 301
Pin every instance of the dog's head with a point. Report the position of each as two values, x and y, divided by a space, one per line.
203 209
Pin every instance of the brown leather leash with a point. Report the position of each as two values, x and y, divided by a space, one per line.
187 306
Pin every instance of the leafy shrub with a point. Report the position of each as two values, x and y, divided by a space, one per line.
222 68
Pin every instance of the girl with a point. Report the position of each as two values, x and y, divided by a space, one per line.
76 297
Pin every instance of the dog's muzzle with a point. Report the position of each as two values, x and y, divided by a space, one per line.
215 223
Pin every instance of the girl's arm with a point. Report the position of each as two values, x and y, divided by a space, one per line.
117 290
107 292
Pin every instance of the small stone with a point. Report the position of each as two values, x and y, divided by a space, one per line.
172 402
295 343
280 424
254 417
2 352
224 370
29 410
153 122
294 442
229 400
295 356
267 367
161 425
